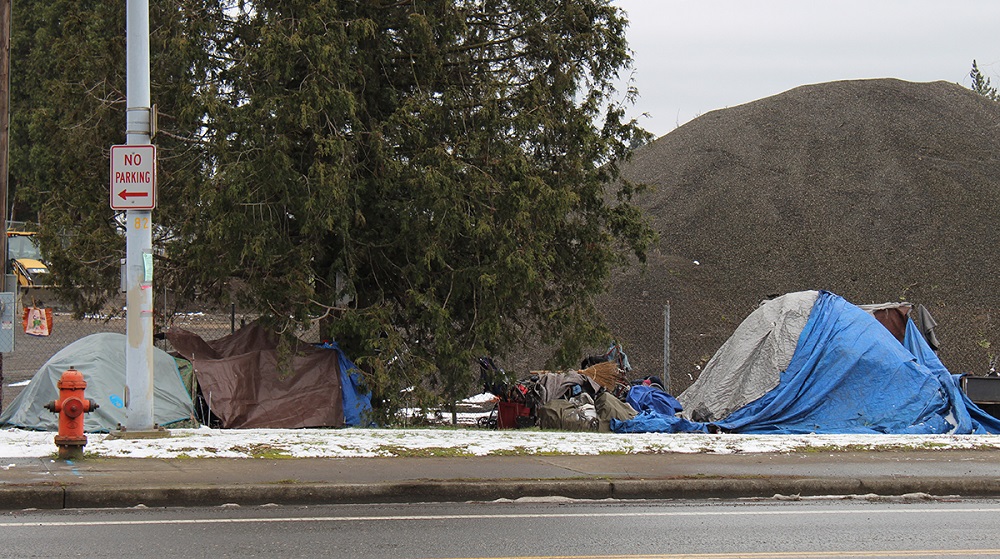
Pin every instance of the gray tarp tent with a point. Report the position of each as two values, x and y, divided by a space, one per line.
101 359
750 363
848 373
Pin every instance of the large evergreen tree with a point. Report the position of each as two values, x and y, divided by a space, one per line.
431 178
68 108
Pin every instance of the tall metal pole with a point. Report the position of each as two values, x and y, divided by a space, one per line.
139 237
5 8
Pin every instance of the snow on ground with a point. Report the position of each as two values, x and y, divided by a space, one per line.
464 440
356 442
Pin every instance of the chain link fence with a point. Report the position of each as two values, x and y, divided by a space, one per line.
672 340
31 352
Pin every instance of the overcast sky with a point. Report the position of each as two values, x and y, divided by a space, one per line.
695 56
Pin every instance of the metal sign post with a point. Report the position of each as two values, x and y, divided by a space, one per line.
138 238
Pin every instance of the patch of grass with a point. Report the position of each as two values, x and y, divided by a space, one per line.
429 452
516 451
927 445
522 451
933 445
833 448
265 451
619 452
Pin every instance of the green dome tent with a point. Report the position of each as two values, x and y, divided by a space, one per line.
101 359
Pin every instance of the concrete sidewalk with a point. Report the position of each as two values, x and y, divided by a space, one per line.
124 482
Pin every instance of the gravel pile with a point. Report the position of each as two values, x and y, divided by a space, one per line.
877 190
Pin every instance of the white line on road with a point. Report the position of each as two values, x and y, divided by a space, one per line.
410 518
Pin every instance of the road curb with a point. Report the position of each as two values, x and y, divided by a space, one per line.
48 497
315 494
33 496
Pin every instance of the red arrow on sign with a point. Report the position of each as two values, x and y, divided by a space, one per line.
125 194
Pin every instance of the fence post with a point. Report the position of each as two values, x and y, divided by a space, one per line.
666 346
165 325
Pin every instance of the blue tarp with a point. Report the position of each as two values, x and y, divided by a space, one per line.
357 398
971 418
645 397
656 413
848 374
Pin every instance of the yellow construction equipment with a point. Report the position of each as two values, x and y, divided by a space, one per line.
24 259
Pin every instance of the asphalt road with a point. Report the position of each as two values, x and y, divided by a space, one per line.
549 528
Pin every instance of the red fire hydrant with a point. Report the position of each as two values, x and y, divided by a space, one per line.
71 406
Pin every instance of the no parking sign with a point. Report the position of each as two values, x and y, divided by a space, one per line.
133 177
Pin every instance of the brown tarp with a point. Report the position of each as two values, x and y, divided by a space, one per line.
892 315
241 380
